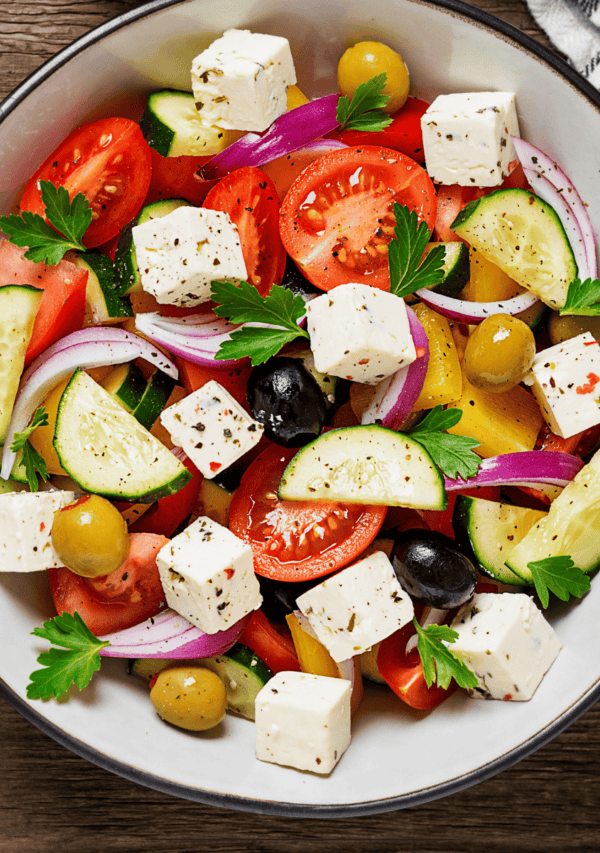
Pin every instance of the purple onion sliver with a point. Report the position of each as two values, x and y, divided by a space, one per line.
474 312
197 350
529 467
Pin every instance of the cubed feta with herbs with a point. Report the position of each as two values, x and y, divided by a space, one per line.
212 428
506 641
359 333
467 138
25 530
303 721
179 255
240 81
208 576
357 607
565 380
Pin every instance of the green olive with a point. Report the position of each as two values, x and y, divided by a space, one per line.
90 536
499 353
367 59
562 328
190 697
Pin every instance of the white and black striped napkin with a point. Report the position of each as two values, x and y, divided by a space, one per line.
573 26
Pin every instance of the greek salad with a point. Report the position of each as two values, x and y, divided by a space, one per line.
298 393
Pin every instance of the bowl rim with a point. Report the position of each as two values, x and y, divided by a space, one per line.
255 805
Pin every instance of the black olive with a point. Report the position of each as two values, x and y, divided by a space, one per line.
286 399
297 283
432 570
279 597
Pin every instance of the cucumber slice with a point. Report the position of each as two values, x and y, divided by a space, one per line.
171 125
215 501
107 452
456 269
127 276
244 675
154 399
570 528
8 486
147 668
19 304
365 465
522 234
126 383
489 531
103 304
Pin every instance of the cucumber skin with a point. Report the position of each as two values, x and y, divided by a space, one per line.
240 662
155 132
159 389
103 268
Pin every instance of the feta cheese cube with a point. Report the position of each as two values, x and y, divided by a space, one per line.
25 530
179 255
303 721
357 607
506 641
467 138
208 576
565 380
212 428
240 81
360 333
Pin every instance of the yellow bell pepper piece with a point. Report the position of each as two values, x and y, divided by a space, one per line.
443 382
295 98
312 654
488 283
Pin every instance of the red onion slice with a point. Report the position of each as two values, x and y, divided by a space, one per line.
204 328
527 468
196 349
169 635
472 313
396 395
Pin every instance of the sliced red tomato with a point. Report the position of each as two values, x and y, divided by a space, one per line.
117 601
273 644
404 672
177 177
167 514
403 134
249 196
62 306
194 376
108 161
337 218
297 540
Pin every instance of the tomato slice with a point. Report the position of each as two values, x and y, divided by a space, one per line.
273 645
176 177
194 376
297 540
167 514
108 161
337 218
62 306
403 134
249 196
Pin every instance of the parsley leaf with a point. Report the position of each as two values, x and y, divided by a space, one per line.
21 438
70 219
453 454
583 298
559 575
31 460
440 665
243 303
364 111
74 663
409 270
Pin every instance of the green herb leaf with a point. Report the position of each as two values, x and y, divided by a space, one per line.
583 298
409 270
71 219
453 454
74 663
364 111
559 575
440 665
243 303
31 460
20 439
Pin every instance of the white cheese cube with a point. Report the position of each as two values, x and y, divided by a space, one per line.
467 138
303 721
179 255
508 644
565 380
212 428
25 530
240 81
357 607
359 333
208 576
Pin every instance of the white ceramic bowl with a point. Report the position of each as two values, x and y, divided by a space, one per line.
397 758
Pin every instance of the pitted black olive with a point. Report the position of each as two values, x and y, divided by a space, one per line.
432 570
279 597
295 281
286 399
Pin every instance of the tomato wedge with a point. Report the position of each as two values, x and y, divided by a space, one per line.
297 540
273 644
108 161
249 196
403 134
337 218
176 177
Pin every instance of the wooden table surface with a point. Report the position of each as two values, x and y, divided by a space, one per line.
51 800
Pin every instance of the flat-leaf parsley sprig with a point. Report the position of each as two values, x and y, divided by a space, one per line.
440 665
364 111
559 575
31 460
75 662
583 298
71 220
409 270
280 309
453 454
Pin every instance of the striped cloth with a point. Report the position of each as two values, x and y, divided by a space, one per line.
573 26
